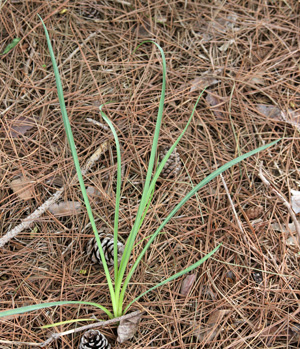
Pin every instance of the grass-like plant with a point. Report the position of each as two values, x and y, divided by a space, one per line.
118 286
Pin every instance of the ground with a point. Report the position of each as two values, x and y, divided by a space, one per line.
247 54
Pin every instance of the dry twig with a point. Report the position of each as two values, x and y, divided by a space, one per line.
87 327
28 221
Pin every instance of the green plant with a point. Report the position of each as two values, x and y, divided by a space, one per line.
118 288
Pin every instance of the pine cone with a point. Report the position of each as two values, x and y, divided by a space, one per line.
172 166
107 243
94 339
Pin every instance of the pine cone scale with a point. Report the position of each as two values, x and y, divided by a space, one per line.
94 339
107 243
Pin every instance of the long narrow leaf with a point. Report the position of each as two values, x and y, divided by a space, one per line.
118 191
145 195
67 322
33 307
170 151
186 270
76 162
183 201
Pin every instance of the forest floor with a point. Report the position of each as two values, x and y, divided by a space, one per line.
247 55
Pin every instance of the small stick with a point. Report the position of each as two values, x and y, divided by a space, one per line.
11 343
28 221
282 199
86 327
97 123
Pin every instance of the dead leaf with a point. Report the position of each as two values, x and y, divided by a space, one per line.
292 241
20 126
290 116
226 46
230 277
93 191
127 328
258 79
270 111
287 230
215 28
23 187
187 284
207 292
216 103
65 208
295 200
213 326
207 79
143 30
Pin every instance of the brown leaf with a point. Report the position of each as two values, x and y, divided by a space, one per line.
20 126
213 326
215 28
65 208
258 79
200 82
216 103
127 328
93 191
287 230
290 116
270 111
23 187
187 284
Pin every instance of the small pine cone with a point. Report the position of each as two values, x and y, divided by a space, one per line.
94 339
254 212
107 243
172 166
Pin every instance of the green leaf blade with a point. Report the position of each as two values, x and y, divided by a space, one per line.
76 163
10 46
175 276
34 307
184 200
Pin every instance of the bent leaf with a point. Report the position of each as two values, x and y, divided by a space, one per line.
33 307
10 46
